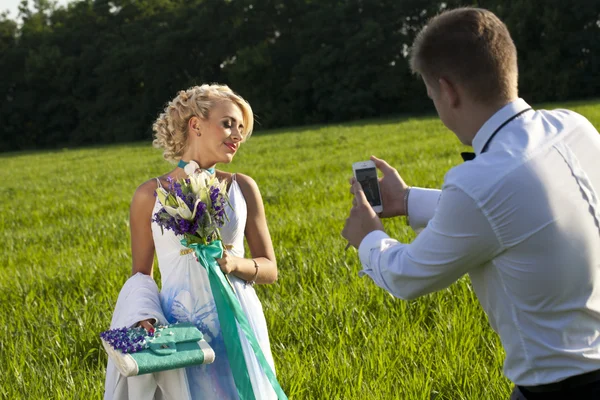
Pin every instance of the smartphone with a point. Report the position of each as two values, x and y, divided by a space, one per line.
365 172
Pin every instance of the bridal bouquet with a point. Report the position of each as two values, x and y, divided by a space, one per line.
193 207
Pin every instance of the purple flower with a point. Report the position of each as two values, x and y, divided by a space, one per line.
190 200
184 226
125 340
214 193
200 210
156 218
178 191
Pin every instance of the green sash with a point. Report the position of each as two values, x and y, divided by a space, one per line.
229 311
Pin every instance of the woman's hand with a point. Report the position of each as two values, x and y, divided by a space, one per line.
228 263
147 324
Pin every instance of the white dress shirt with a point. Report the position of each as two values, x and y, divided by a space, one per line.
523 220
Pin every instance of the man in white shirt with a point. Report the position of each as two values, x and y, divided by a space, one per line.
521 217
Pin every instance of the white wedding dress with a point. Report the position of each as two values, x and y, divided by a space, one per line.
186 296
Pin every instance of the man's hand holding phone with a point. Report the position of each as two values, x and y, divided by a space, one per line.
392 188
362 219
386 198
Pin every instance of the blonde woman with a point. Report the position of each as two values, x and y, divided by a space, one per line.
207 125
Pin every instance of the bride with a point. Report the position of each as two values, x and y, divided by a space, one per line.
200 127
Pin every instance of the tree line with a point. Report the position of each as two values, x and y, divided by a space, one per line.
100 71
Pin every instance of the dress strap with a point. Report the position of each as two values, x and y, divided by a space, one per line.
233 178
159 184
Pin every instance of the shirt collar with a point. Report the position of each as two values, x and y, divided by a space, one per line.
484 133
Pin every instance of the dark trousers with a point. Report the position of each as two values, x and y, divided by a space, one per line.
589 391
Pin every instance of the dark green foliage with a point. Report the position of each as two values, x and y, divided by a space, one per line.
100 71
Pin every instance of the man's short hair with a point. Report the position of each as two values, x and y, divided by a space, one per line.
470 47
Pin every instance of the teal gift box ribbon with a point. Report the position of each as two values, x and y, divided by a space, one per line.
229 312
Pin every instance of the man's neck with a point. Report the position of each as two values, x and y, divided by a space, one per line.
478 114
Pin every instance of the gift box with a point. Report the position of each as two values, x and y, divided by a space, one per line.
135 352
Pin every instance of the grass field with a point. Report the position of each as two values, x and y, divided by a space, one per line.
64 255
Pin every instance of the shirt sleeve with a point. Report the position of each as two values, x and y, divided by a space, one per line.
421 206
458 238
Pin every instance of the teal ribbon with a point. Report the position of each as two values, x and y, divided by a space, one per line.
181 164
229 312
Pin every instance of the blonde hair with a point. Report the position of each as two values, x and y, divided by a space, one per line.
472 47
171 126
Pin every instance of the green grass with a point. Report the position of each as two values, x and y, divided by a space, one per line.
64 255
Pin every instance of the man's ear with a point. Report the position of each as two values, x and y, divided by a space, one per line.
449 92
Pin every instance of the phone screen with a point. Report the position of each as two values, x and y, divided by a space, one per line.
368 180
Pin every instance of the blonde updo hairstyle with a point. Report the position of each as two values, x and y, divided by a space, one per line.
171 126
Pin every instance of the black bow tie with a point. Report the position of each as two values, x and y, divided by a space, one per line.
467 156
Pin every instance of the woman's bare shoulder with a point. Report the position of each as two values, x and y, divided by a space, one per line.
247 184
145 194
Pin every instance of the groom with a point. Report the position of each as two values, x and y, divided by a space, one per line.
521 216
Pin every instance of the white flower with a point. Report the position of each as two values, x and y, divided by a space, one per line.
191 167
197 182
171 210
183 209
163 196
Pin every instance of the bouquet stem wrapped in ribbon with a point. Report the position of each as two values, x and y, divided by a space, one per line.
195 208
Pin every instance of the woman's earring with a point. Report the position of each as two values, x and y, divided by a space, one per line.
198 134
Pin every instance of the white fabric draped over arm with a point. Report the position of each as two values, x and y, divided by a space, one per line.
137 301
